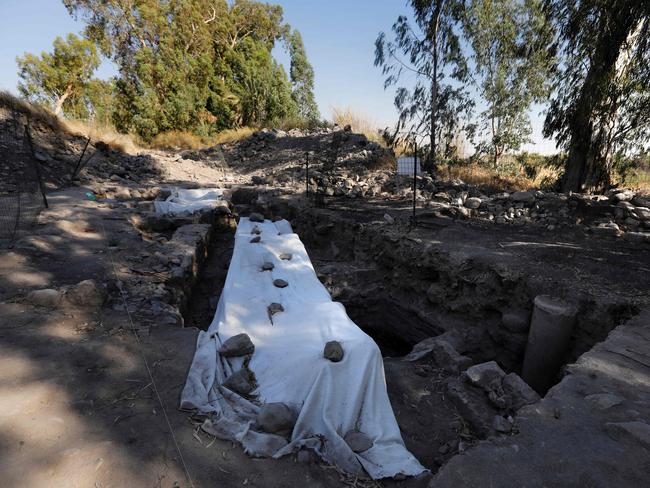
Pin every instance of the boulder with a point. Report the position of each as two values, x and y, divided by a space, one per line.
523 197
240 382
333 351
443 353
473 202
256 217
472 407
518 391
516 320
358 441
485 375
276 418
47 298
238 345
86 294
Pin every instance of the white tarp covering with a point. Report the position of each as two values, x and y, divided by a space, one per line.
185 202
330 398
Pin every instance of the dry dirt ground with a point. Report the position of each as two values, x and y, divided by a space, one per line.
78 406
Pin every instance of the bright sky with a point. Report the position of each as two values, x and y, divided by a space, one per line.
339 37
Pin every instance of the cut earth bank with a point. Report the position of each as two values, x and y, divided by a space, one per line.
80 407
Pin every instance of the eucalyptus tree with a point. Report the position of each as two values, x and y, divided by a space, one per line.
601 99
302 78
60 78
428 49
511 67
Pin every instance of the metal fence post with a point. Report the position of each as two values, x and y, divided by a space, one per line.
415 173
37 165
307 174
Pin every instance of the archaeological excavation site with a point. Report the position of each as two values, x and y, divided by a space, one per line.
289 311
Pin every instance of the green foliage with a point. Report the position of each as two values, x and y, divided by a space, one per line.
302 78
59 79
430 50
197 65
511 68
601 101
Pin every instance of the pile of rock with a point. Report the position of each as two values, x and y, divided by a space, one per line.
487 398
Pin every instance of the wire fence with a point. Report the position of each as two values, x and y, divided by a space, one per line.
22 191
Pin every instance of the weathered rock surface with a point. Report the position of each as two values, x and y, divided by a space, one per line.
47 298
238 345
240 382
276 418
333 351
86 294
358 441
595 444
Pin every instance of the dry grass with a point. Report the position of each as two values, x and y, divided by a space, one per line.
35 113
176 140
480 175
360 123
639 179
108 135
233 135
38 114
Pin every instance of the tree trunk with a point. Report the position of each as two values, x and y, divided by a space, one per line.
58 106
434 87
588 162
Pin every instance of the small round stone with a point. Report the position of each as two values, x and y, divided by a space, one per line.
333 351
286 256
256 239
275 308
256 230
267 266
280 283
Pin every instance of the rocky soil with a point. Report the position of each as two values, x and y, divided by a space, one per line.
101 284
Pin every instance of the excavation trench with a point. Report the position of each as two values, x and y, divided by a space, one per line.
400 300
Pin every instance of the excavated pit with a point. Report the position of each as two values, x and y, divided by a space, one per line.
400 299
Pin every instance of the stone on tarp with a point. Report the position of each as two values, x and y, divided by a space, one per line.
358 441
485 375
275 308
255 240
280 283
518 391
268 266
256 230
256 217
240 382
45 298
262 444
276 418
286 256
237 345
86 294
333 351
